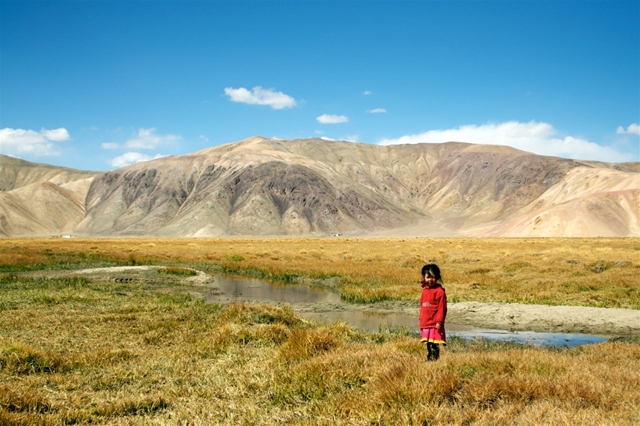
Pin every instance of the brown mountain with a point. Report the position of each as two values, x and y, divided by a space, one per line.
262 186
40 199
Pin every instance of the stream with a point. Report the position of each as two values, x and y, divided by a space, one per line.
324 306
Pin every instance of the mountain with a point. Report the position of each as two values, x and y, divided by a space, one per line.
40 199
262 186
16 173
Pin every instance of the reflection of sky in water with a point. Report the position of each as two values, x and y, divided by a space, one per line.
531 337
243 289
369 322
226 289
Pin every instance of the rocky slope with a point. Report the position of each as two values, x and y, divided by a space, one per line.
262 186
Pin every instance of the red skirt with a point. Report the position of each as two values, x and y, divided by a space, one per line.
433 335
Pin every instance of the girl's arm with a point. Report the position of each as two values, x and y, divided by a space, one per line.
442 309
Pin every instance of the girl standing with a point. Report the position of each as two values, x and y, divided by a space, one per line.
433 311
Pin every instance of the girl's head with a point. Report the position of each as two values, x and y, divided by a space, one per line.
431 271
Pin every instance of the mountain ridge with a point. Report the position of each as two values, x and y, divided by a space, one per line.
261 186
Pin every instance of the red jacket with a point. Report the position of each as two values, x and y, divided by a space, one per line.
433 306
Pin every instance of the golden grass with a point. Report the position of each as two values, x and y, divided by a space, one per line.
80 352
569 271
177 270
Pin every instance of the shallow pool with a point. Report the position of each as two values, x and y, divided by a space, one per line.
230 289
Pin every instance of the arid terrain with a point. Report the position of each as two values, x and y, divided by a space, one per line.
314 187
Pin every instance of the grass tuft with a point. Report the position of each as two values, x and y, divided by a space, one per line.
141 406
260 314
31 401
303 344
22 359
176 270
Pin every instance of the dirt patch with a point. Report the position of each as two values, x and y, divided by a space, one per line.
559 319
114 269
202 278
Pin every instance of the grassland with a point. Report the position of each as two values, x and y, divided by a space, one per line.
75 351
582 272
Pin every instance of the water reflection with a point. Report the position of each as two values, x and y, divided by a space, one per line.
229 289
374 322
531 337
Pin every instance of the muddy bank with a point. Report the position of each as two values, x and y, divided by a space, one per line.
513 316
557 319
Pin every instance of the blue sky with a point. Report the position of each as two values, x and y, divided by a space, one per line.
102 84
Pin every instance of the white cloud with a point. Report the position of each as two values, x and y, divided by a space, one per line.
367 92
260 96
203 138
536 137
332 119
633 129
352 138
57 135
147 139
129 158
324 138
377 111
110 145
20 141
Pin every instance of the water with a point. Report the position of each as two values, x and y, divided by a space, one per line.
227 290
375 321
531 337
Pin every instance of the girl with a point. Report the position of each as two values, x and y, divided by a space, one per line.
433 310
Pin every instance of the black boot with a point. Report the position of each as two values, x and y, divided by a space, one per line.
433 351
429 351
436 351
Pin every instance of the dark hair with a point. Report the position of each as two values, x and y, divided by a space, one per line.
433 270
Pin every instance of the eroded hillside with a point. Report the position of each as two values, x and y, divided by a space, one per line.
262 186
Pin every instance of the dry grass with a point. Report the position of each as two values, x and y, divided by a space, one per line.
73 351
78 352
177 270
563 271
